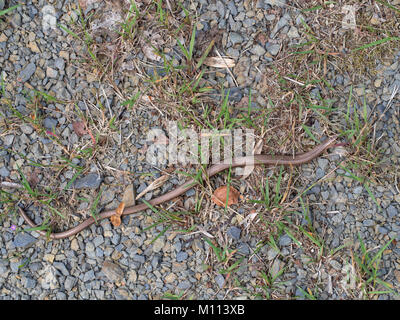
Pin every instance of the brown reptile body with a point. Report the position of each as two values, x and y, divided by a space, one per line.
213 170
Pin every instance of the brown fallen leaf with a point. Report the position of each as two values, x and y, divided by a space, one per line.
154 185
116 218
219 62
220 196
79 128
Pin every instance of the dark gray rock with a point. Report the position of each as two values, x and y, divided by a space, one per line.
4 172
391 210
91 181
285 240
181 256
69 283
220 280
234 233
27 72
24 240
50 123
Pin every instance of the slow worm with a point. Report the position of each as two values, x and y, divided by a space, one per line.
211 171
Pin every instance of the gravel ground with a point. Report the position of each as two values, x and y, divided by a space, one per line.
132 262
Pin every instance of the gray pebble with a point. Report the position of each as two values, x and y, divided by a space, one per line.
382 230
69 283
50 123
235 38
91 181
265 4
185 284
181 256
28 282
27 72
243 248
220 280
273 49
59 63
285 240
25 128
391 210
190 192
89 276
368 223
61 266
4 172
8 139
24 240
234 233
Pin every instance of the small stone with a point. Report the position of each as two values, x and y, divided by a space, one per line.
377 83
4 172
181 256
59 63
276 267
264 4
24 240
69 283
358 190
51 73
61 266
28 282
158 245
391 210
258 50
34 47
293 33
243 248
368 223
220 280
49 280
273 49
88 276
8 139
235 38
170 278
27 72
112 271
132 276
64 54
234 233
27 129
285 240
49 257
74 245
335 265
185 284
50 123
91 181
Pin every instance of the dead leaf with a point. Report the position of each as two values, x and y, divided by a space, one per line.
154 185
116 218
219 62
220 196
79 128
